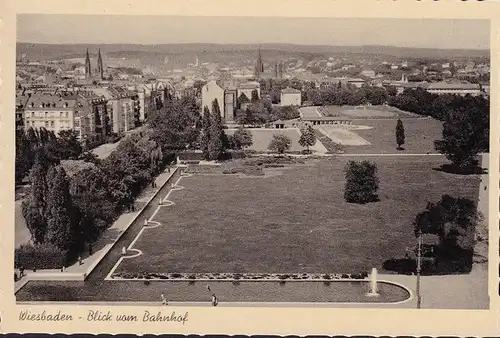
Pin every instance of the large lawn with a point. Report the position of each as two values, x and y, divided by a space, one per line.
420 135
295 222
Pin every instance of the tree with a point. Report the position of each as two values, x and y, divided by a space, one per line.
216 132
205 134
449 219
242 138
465 134
90 192
62 225
255 96
400 134
280 143
242 100
361 182
307 137
34 209
68 145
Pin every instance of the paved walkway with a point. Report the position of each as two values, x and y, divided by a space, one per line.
102 246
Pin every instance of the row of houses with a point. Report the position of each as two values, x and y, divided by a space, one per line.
88 110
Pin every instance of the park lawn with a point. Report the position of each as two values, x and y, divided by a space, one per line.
262 137
293 223
420 135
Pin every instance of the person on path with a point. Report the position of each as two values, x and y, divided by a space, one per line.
208 288
163 300
145 222
21 272
124 251
215 301
80 261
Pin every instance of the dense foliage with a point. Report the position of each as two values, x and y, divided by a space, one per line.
69 213
361 182
307 137
280 143
400 133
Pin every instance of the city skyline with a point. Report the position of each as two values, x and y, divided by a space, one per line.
430 33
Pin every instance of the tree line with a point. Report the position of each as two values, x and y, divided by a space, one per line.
65 214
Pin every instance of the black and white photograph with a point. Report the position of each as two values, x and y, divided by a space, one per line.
169 161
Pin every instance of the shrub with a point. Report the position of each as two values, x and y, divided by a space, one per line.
326 276
361 182
176 275
344 275
40 256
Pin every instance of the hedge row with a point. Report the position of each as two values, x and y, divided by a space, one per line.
40 256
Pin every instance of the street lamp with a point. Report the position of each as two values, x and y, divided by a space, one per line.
419 268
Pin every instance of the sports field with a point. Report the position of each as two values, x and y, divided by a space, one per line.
420 135
296 222
360 112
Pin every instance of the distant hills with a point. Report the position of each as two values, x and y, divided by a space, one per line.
214 52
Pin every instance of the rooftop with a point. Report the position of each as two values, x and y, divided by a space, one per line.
51 101
290 91
457 86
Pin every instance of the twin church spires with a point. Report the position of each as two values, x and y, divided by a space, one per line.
88 67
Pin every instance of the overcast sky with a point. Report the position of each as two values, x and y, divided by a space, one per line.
467 34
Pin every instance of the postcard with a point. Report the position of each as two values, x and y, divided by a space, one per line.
268 167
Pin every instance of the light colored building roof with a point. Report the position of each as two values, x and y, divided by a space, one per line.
249 85
50 101
290 91
455 86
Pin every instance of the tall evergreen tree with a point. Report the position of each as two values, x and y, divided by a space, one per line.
400 134
34 209
216 132
205 134
62 225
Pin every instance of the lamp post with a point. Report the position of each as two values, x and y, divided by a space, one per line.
419 268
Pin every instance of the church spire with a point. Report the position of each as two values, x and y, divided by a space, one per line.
259 66
88 68
100 68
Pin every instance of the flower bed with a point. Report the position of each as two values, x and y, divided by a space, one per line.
237 277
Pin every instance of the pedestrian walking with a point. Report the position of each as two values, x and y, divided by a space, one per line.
80 261
163 299
485 187
145 222
208 288
124 251
21 272
215 301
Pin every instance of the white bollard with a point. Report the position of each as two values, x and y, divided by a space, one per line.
373 283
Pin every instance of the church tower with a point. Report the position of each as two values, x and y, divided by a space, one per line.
259 66
100 67
88 68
